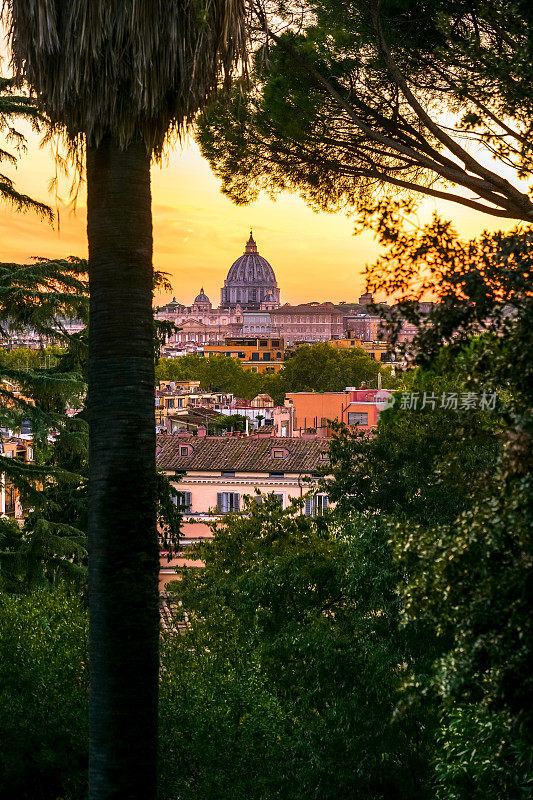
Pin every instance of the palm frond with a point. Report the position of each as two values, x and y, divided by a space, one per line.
125 67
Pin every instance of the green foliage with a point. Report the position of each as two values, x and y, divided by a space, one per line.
352 97
318 367
228 422
40 388
323 368
43 696
471 582
291 655
456 489
483 284
414 467
17 106
479 755
40 296
169 515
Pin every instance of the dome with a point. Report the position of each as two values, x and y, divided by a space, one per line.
174 305
202 298
201 302
251 267
250 280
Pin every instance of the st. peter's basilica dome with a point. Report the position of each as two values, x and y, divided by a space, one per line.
250 281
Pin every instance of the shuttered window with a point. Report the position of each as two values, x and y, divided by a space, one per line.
183 501
228 502
316 505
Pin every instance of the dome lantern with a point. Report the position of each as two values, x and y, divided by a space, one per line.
251 246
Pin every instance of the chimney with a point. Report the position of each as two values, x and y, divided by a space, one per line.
201 430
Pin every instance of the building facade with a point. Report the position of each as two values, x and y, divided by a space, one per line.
376 350
215 474
308 322
255 354
309 413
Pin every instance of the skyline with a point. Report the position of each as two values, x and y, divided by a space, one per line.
198 232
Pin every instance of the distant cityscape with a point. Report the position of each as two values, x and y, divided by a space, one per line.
250 307
285 442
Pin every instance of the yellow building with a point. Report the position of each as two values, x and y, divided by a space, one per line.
171 396
379 351
257 355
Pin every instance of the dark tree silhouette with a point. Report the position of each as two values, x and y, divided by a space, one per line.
121 77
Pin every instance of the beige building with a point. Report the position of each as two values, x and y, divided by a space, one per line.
309 322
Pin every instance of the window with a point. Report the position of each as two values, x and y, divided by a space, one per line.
184 451
183 501
263 343
241 354
259 499
315 506
278 355
227 502
228 473
255 356
357 418
278 454
275 343
170 402
276 474
266 356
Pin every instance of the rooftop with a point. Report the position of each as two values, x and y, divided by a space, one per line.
248 454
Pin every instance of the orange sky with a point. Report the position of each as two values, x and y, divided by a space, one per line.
198 233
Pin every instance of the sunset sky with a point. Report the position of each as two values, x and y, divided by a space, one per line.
198 233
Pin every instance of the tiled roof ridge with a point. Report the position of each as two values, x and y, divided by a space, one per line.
246 454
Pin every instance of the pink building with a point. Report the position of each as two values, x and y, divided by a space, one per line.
214 474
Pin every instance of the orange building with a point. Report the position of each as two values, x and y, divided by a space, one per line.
257 355
308 413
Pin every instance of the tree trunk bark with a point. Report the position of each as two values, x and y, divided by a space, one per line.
123 546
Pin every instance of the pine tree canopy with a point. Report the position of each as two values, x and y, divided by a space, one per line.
14 104
345 99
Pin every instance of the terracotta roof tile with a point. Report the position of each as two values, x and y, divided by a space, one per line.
249 454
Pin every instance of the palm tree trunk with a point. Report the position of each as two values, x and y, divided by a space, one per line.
123 548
